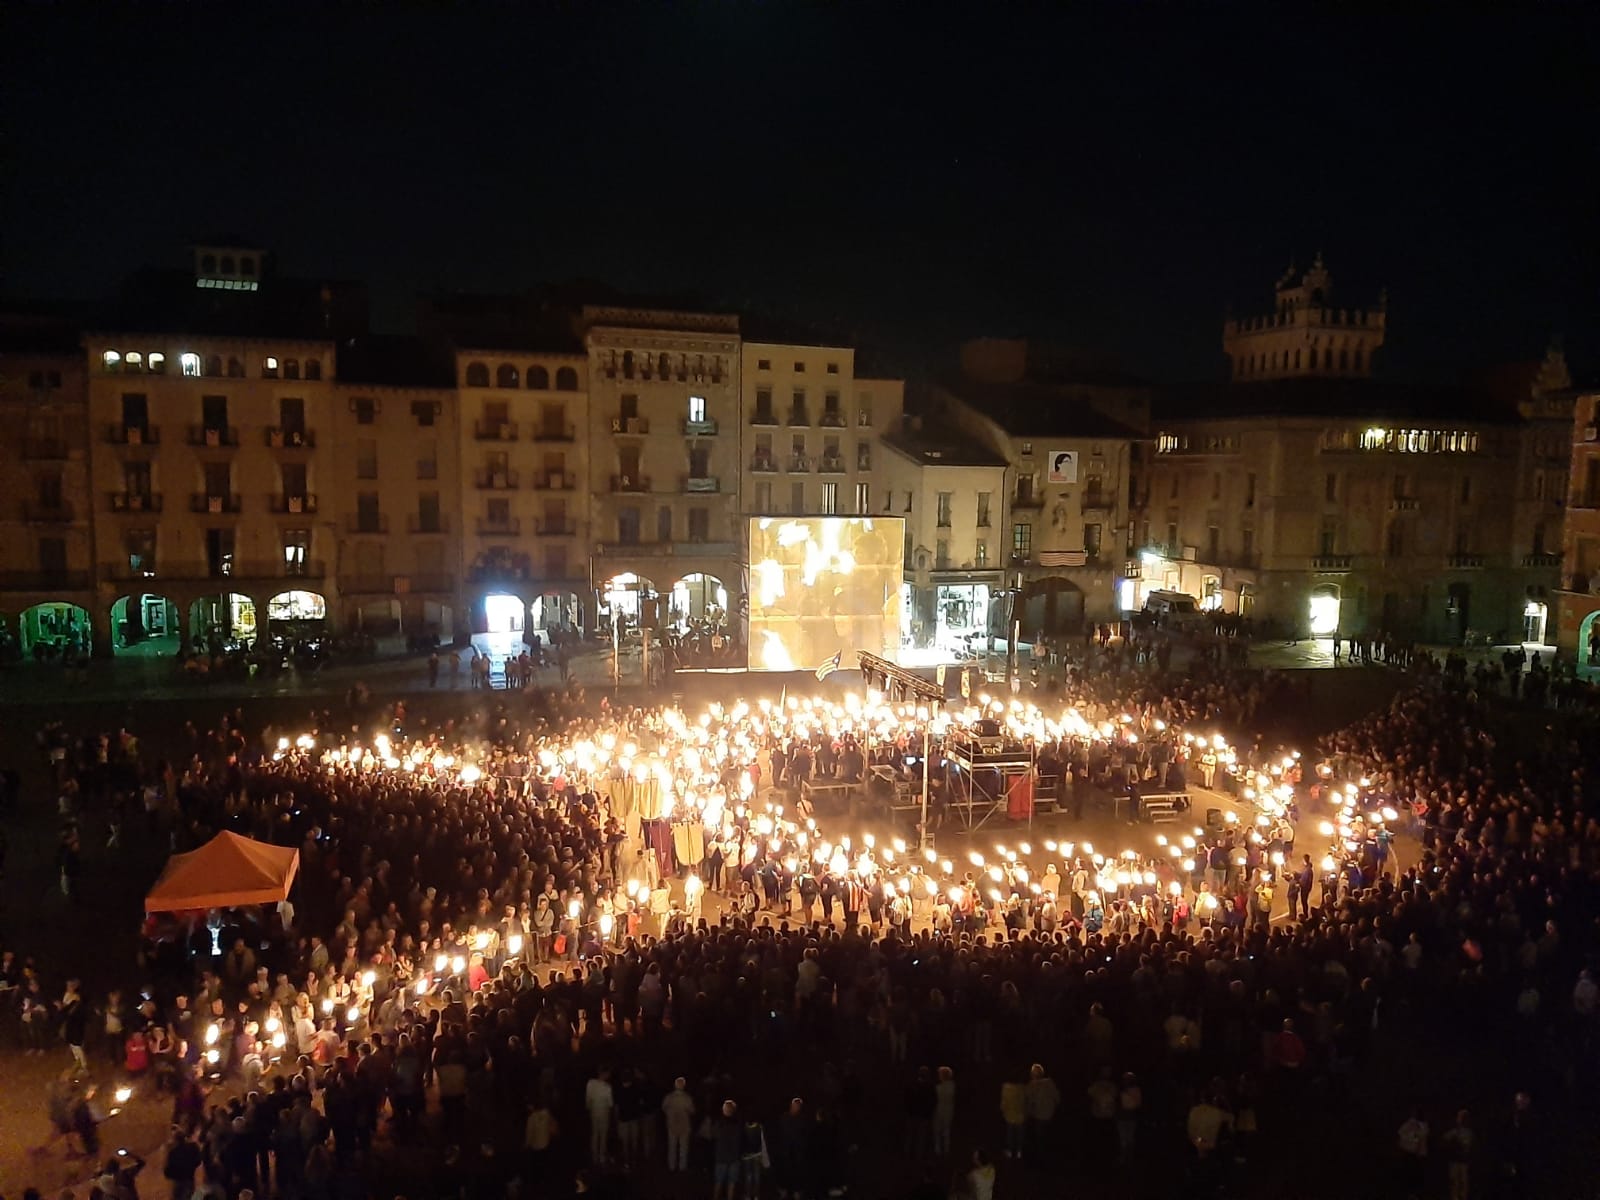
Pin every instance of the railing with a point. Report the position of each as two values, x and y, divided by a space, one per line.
44 449
499 573
1403 504
1095 500
555 526
495 431
505 527
1541 560
555 481
1030 500
555 433
61 513
233 569
630 483
280 438
832 419
863 459
831 466
367 523
635 425
702 428
133 435
762 464
496 480
213 435
1463 562
665 549
204 502
764 416
136 502
799 462
701 483
437 523
290 506
1332 562
40 581
799 416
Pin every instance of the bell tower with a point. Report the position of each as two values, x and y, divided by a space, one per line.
1306 334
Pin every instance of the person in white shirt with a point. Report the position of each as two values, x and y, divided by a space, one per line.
678 1108
598 1101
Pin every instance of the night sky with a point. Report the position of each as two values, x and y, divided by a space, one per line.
1112 179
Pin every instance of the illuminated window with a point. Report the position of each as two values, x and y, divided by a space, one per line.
269 367
189 364
158 363
111 359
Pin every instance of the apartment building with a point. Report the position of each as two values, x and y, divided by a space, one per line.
949 490
1578 593
1067 429
46 534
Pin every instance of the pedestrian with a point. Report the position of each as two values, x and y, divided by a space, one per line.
1014 1113
1413 1146
944 1111
753 1157
726 1152
677 1107
598 1101
1043 1099
1459 1143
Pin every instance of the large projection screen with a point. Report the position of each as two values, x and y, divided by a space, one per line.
822 585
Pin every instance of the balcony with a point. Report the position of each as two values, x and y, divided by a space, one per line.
496 480
369 522
44 450
231 569
1465 562
799 417
831 465
763 464
799 463
630 425
864 460
1403 504
1332 563
1095 501
499 573
136 502
555 481
555 433
832 419
60 513
1027 500
44 581
701 483
1581 585
427 523
214 436
556 526
133 435
501 527
630 483
432 582
367 585
664 549
280 438
495 431
1541 561
291 506
705 428
763 416
204 502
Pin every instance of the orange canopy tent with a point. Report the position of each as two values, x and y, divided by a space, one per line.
226 871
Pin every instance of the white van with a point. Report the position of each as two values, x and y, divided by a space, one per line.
1177 610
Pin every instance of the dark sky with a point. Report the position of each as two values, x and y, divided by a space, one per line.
1112 178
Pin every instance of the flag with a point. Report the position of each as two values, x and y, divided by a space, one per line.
829 667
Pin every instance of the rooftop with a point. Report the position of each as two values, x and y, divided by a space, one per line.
939 447
161 300
1337 398
1039 409
392 360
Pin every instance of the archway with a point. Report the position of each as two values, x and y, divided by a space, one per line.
378 617
223 622
1322 610
556 612
697 598
501 620
145 626
1589 645
1053 605
296 616
54 630
628 602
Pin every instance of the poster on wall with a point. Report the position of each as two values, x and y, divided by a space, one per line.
1063 466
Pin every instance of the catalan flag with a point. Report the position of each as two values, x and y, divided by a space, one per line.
829 667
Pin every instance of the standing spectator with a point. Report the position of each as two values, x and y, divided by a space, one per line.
1413 1145
1459 1143
1014 1112
74 1022
726 1143
1043 1099
1130 1100
944 1110
677 1106
753 1157
598 1101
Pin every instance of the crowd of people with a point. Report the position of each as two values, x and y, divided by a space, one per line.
488 978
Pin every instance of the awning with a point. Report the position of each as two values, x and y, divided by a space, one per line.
228 870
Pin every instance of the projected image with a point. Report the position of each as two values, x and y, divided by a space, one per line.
823 585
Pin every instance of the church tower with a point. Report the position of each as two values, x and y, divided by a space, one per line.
1307 335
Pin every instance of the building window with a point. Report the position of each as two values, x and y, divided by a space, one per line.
797 498
1395 543
863 498
425 412
1330 488
366 458
945 499
1216 485
1466 489
699 525
764 405
158 363
799 368
697 409
313 368
428 518
664 524
941 555
111 360
566 379
505 376
864 411
427 458
908 502
984 499
1250 490
291 368
1091 540
980 554
1022 539
864 456
1213 543
763 364
830 499
1247 542
365 409
833 368
1027 447
764 496
189 364
369 518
